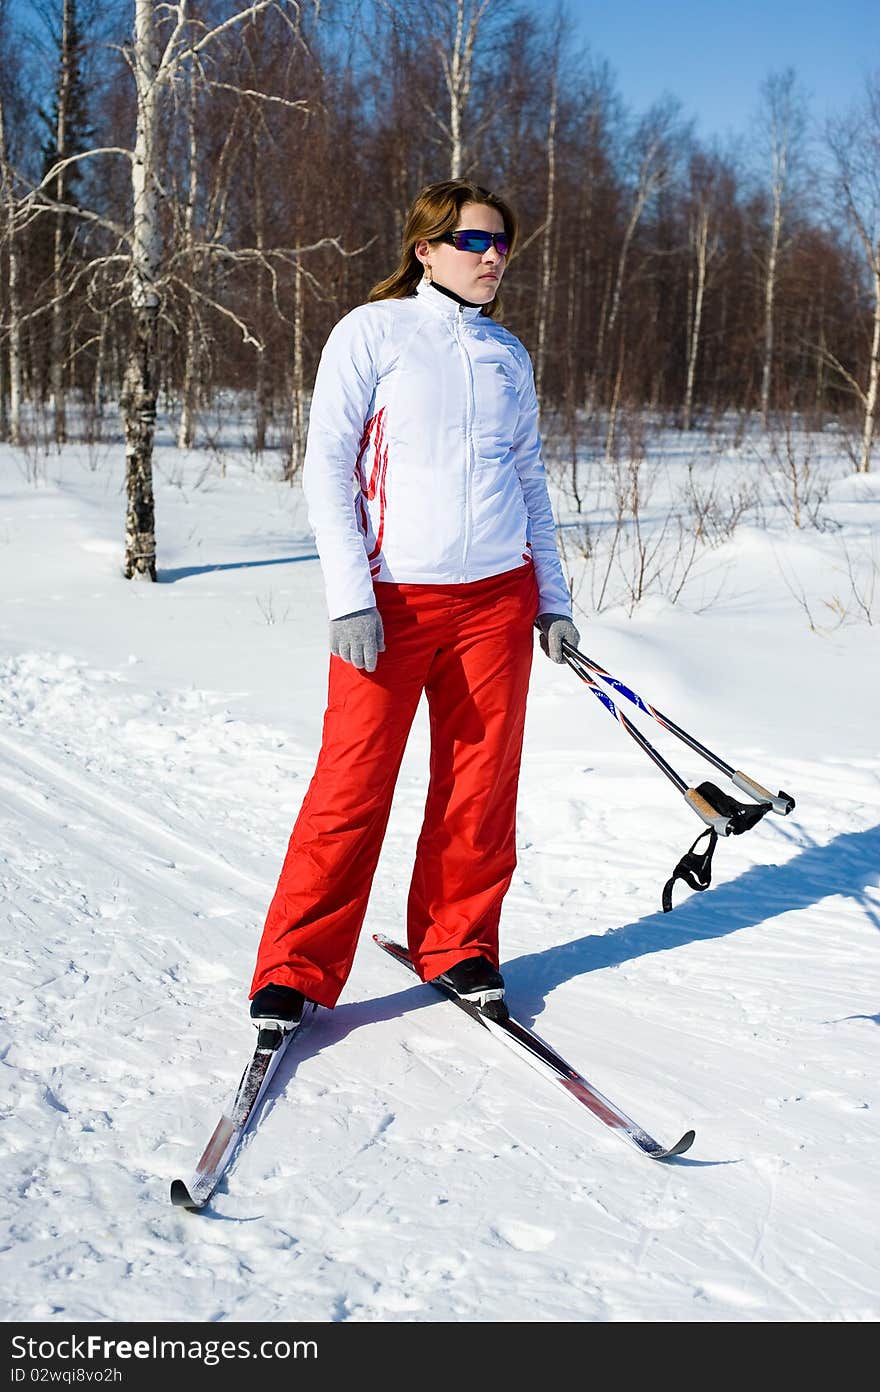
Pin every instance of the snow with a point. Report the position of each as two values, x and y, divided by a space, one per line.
155 744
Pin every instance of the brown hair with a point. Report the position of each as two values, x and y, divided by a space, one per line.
435 212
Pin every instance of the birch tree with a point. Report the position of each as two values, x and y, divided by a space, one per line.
10 319
10 303
549 232
782 118
703 239
456 51
155 68
232 147
68 135
139 391
585 187
855 148
653 151
297 451
186 422
454 35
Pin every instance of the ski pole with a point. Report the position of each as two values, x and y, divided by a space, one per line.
782 802
722 813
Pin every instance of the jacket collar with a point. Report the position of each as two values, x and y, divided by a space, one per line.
439 303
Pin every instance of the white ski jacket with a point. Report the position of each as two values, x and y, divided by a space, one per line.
423 462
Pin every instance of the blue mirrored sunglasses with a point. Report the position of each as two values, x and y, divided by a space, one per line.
465 239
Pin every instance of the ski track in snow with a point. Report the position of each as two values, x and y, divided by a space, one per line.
111 1091
405 1168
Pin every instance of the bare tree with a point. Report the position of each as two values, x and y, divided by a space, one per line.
782 118
456 43
453 36
168 39
703 239
140 387
549 230
10 302
199 256
297 451
68 131
855 147
186 423
10 424
653 149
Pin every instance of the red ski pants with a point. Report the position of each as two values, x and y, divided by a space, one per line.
469 649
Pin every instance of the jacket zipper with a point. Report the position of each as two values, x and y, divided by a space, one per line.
469 418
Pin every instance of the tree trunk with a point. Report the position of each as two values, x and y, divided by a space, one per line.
769 301
297 412
262 402
98 381
139 420
819 383
572 369
614 406
547 248
458 63
12 317
873 375
854 144
139 392
628 235
186 424
653 145
701 244
598 374
456 102
456 83
58 357
783 114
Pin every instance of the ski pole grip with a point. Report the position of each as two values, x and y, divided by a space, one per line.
782 803
719 821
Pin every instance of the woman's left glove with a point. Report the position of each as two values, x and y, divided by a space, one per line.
556 629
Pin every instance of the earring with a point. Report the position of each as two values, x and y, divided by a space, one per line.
428 276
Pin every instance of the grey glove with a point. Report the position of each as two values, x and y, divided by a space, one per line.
556 629
358 638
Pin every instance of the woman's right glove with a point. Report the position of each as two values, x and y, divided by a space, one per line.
358 638
556 629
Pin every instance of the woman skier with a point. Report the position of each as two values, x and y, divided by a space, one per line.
427 494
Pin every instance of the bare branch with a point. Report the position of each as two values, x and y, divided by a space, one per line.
827 356
288 254
63 164
246 334
260 96
72 285
29 210
170 62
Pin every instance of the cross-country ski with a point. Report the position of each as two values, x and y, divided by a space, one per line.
536 1052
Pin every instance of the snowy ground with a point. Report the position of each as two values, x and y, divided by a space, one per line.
155 743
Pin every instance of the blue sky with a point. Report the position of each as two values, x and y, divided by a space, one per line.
713 54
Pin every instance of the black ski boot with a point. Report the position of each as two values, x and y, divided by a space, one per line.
277 1005
477 981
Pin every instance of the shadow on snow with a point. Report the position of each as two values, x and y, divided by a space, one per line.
846 866
170 575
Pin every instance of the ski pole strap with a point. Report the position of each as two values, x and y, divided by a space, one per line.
695 868
722 813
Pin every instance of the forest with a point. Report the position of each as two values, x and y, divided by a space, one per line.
191 194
